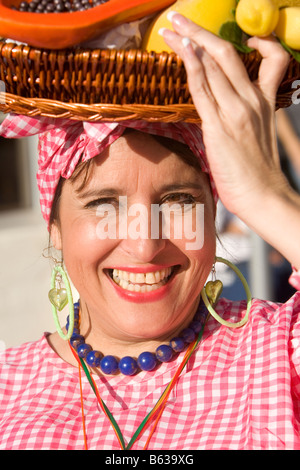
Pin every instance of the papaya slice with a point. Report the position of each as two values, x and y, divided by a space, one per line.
63 30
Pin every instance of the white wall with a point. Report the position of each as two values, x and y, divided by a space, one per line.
25 275
25 312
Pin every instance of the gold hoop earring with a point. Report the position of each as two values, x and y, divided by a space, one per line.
210 296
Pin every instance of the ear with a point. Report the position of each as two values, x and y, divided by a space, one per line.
55 236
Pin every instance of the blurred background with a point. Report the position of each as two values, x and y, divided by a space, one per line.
25 311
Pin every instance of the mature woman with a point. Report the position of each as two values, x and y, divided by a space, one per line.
231 388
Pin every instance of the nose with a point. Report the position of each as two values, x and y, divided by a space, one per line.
143 250
143 241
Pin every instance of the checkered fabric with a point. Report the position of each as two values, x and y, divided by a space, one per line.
62 143
240 390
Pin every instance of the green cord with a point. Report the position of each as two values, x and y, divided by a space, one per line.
109 414
145 420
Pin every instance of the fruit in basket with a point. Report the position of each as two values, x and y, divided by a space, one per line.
209 14
260 17
288 27
56 30
56 6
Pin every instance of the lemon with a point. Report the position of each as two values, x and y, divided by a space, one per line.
207 13
288 27
257 17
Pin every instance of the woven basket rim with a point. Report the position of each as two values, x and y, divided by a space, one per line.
97 112
18 61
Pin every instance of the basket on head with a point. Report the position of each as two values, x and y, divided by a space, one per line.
111 85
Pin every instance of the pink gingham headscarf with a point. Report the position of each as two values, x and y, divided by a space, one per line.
62 143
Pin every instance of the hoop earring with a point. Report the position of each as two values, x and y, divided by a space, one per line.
216 294
59 298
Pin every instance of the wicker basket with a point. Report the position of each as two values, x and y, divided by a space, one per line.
94 84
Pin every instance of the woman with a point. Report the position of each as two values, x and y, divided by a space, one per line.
240 386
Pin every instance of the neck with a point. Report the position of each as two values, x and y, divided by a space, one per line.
121 347
112 341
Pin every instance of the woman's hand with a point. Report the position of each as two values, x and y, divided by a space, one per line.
237 115
238 123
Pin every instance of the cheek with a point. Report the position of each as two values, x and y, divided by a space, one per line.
199 247
197 228
83 249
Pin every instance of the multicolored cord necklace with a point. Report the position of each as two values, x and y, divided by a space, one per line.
198 324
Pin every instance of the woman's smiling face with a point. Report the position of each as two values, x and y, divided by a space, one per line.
136 287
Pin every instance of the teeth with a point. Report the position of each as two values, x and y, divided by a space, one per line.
140 282
150 278
139 278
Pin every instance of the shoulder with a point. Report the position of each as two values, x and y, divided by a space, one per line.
280 315
273 330
18 364
31 365
24 355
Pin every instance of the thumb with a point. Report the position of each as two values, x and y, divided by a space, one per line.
273 65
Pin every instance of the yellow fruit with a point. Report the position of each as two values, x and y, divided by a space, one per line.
288 27
257 17
207 13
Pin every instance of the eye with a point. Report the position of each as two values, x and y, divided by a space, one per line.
178 198
100 201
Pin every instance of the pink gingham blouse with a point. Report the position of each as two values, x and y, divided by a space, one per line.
240 390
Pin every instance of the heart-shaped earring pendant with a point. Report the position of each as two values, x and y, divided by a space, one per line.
213 290
58 298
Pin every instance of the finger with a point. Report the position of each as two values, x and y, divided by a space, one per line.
273 65
198 85
210 79
225 95
220 50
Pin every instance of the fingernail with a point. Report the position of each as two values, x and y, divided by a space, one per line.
180 20
161 31
185 42
171 14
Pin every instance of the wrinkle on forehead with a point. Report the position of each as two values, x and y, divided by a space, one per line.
138 159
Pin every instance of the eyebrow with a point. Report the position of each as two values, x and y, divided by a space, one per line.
178 186
113 192
99 192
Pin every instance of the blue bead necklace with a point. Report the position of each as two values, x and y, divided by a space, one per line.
146 361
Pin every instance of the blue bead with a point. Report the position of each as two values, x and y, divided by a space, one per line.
201 312
76 322
109 365
188 335
177 344
93 358
147 361
164 353
196 326
76 340
83 349
128 365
